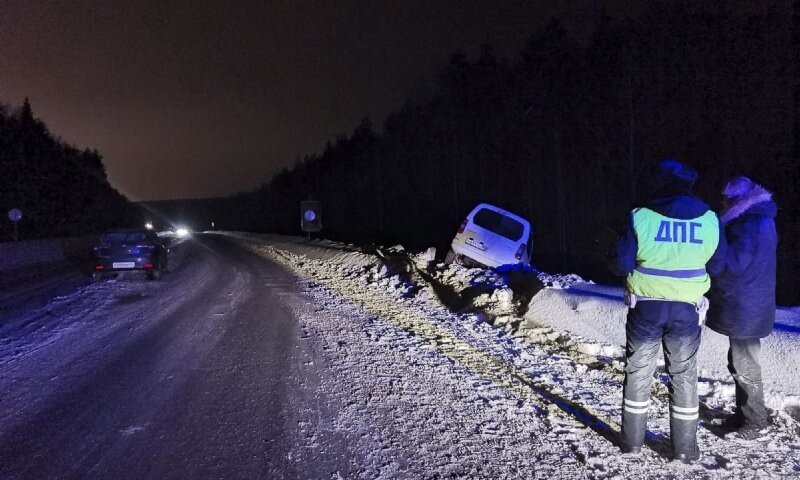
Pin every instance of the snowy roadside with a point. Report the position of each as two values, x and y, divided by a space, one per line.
596 313
558 363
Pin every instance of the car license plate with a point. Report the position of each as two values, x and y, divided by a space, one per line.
479 245
123 264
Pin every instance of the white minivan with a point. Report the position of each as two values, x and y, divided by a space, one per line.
492 237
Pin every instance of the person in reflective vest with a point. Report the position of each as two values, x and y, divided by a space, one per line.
669 247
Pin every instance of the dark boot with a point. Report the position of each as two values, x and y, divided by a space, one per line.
732 423
684 439
688 458
633 431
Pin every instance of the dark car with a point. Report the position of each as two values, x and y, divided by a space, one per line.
128 250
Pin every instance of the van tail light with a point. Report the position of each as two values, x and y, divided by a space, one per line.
462 227
520 251
99 267
148 266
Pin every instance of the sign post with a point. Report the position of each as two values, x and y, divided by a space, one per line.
311 216
15 215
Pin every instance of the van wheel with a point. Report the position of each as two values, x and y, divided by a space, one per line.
97 277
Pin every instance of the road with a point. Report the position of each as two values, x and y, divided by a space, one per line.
261 356
200 375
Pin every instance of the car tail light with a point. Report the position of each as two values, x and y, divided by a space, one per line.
520 251
463 226
99 267
148 266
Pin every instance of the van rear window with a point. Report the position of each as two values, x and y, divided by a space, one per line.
498 223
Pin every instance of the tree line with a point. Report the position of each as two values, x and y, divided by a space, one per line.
61 190
565 134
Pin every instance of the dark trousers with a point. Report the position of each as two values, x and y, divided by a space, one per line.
673 326
744 365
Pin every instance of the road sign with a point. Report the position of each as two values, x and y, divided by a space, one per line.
15 215
311 216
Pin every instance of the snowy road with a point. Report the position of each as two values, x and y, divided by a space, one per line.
275 357
198 376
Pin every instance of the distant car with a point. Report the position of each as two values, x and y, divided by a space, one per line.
491 237
129 250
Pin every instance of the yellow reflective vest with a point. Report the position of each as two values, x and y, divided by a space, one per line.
672 254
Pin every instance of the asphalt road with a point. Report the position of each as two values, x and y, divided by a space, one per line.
200 375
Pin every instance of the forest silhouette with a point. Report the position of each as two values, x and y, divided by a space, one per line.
62 191
566 135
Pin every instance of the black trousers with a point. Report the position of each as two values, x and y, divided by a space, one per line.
651 327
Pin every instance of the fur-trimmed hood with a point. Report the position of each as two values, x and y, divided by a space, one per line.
747 201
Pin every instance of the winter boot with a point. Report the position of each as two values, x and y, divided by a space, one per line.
732 423
688 458
633 432
683 434
630 449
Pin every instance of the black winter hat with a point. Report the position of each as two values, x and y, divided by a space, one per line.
671 175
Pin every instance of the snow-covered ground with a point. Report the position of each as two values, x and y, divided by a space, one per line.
555 356
429 370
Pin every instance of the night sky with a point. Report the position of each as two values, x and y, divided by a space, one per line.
190 99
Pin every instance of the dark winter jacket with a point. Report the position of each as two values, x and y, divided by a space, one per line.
743 295
681 207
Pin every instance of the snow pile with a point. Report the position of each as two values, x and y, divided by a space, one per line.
481 290
593 317
558 352
559 281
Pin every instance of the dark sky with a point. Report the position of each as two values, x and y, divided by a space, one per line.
189 99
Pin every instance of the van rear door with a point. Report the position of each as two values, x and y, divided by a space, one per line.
498 235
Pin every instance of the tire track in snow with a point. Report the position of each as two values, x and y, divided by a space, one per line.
545 396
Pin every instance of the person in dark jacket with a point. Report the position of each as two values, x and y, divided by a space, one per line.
743 297
668 244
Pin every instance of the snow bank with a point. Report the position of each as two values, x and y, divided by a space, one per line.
595 316
564 311
563 338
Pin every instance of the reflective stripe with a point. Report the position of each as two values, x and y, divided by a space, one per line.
632 406
678 409
699 272
633 403
637 411
681 416
685 413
